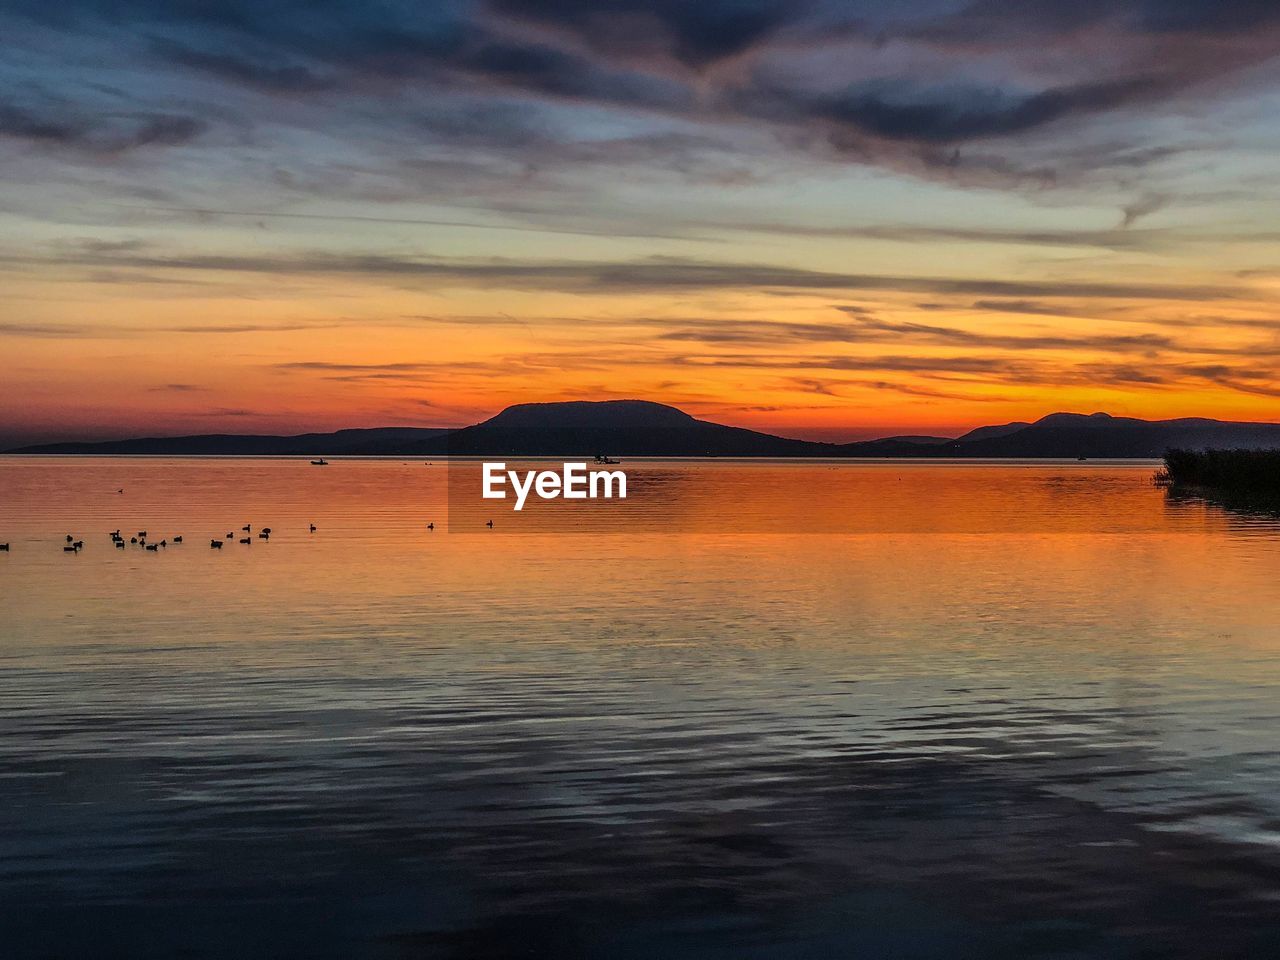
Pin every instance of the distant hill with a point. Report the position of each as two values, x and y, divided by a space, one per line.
913 438
988 433
635 428
1078 435
370 441
1101 435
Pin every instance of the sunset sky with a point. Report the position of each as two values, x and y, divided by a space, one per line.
823 219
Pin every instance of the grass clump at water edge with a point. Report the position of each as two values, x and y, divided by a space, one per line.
1244 471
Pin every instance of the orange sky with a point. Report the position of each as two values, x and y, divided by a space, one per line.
191 242
178 349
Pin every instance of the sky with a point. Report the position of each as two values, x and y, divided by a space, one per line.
824 219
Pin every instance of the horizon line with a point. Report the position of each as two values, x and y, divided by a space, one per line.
448 429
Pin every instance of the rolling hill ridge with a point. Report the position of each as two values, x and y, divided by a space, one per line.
639 428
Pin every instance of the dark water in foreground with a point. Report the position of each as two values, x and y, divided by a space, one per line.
1046 730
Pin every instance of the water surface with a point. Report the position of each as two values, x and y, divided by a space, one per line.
768 710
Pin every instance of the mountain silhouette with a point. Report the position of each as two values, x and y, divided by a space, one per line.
1079 435
987 433
636 428
640 428
1102 435
354 442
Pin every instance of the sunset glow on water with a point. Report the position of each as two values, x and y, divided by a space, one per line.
639 480
379 739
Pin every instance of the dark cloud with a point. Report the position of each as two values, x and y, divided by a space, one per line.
410 372
1138 56
753 331
1174 376
994 21
929 333
916 391
1144 206
694 33
368 53
891 363
56 126
149 129
873 330
207 213
895 110
657 273
233 328
659 60
1147 343
1119 239
41 330
711 332
24 124
105 330
1259 390
271 76
1020 306
1207 16
237 412
810 385
351 367
552 72
943 375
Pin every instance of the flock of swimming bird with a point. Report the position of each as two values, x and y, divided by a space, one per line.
75 546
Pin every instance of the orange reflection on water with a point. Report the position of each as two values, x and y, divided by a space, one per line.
1061 544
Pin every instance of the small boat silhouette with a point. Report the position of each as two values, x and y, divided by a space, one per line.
601 458
322 462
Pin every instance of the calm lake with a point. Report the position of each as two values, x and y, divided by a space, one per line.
759 710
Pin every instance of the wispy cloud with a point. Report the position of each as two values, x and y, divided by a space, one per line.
42 330
95 133
105 329
655 273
